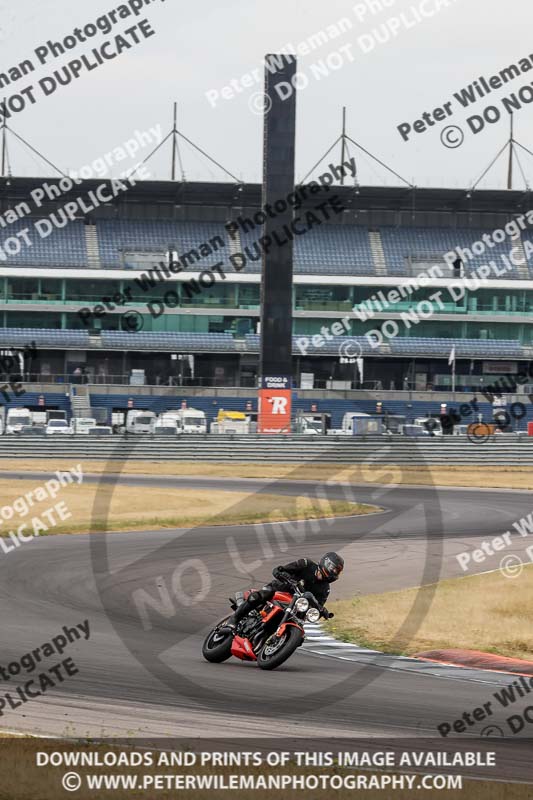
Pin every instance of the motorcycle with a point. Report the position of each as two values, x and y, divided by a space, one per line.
268 636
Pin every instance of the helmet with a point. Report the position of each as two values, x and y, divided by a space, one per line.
331 566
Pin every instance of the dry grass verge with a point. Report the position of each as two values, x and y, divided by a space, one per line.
487 612
120 508
487 476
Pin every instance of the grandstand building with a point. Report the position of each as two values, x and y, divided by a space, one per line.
399 273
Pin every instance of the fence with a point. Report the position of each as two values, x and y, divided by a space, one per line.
453 450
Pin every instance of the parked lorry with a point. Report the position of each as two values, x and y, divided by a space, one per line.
357 423
16 419
138 421
231 422
165 425
192 420
173 414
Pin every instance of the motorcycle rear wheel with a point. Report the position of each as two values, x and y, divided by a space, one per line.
269 658
217 645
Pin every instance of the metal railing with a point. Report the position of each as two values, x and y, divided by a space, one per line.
448 450
125 380
405 391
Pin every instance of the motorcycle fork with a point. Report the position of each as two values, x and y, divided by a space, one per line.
285 621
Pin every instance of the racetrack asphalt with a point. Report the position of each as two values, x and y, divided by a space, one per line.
146 680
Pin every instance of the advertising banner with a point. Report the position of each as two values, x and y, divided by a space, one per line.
274 405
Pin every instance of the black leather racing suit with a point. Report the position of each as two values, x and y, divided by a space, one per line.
304 571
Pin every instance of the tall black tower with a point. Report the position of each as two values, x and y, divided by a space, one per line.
278 183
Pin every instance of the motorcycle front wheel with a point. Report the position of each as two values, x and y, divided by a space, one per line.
217 645
277 649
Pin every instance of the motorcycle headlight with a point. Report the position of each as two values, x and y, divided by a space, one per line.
313 615
302 604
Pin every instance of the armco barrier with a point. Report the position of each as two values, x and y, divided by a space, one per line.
501 450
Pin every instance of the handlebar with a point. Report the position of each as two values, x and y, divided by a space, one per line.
284 576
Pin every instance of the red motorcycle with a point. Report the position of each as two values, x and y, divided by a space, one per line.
268 636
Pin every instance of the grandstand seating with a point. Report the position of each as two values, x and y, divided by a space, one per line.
343 248
328 249
225 343
464 348
64 247
183 342
408 346
431 244
49 337
115 236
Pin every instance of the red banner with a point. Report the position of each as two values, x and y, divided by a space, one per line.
274 411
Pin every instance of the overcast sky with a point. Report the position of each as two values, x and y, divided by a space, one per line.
201 46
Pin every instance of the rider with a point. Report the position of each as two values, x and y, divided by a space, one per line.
312 577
